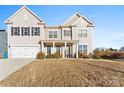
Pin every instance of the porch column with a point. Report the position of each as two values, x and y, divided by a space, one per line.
53 49
42 47
9 52
65 50
63 53
77 50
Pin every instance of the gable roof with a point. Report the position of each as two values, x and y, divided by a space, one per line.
24 7
79 16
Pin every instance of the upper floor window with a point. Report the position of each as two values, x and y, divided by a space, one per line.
25 17
15 31
52 34
80 33
35 31
84 33
25 31
67 32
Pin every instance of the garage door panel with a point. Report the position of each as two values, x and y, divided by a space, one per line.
24 52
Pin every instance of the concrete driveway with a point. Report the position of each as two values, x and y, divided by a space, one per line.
8 66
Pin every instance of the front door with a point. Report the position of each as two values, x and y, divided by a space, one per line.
68 51
48 50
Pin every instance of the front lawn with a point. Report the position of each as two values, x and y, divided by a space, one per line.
68 73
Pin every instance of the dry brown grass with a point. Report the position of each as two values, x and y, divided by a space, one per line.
67 73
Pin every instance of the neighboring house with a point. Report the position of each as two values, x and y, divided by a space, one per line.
3 42
101 49
121 49
28 34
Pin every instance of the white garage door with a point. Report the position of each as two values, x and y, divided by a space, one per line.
24 52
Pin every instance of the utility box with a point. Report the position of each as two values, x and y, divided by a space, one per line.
6 55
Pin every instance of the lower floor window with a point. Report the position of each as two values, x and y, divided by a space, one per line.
85 49
82 49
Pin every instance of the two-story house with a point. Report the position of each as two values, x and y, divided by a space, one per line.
28 34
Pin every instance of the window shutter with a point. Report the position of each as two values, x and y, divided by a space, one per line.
32 31
22 30
11 31
38 31
18 31
28 31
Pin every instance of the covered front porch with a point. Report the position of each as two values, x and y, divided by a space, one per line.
67 48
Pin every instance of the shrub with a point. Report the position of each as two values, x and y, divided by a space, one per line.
50 56
90 55
57 55
121 55
117 55
82 55
40 55
112 55
97 54
107 54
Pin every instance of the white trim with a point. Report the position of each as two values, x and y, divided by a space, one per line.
87 19
80 16
75 14
77 20
20 11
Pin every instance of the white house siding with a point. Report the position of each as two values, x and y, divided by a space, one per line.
52 29
19 21
15 42
72 19
28 46
82 24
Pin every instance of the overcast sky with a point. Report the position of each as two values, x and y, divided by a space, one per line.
109 20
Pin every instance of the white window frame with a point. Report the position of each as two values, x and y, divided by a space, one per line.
35 31
25 17
80 33
53 34
85 50
49 50
85 32
15 31
25 32
82 50
67 33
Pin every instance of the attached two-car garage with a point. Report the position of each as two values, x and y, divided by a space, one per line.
24 52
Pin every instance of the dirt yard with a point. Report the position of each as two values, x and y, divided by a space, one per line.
68 73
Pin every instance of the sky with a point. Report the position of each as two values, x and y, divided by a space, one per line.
109 20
